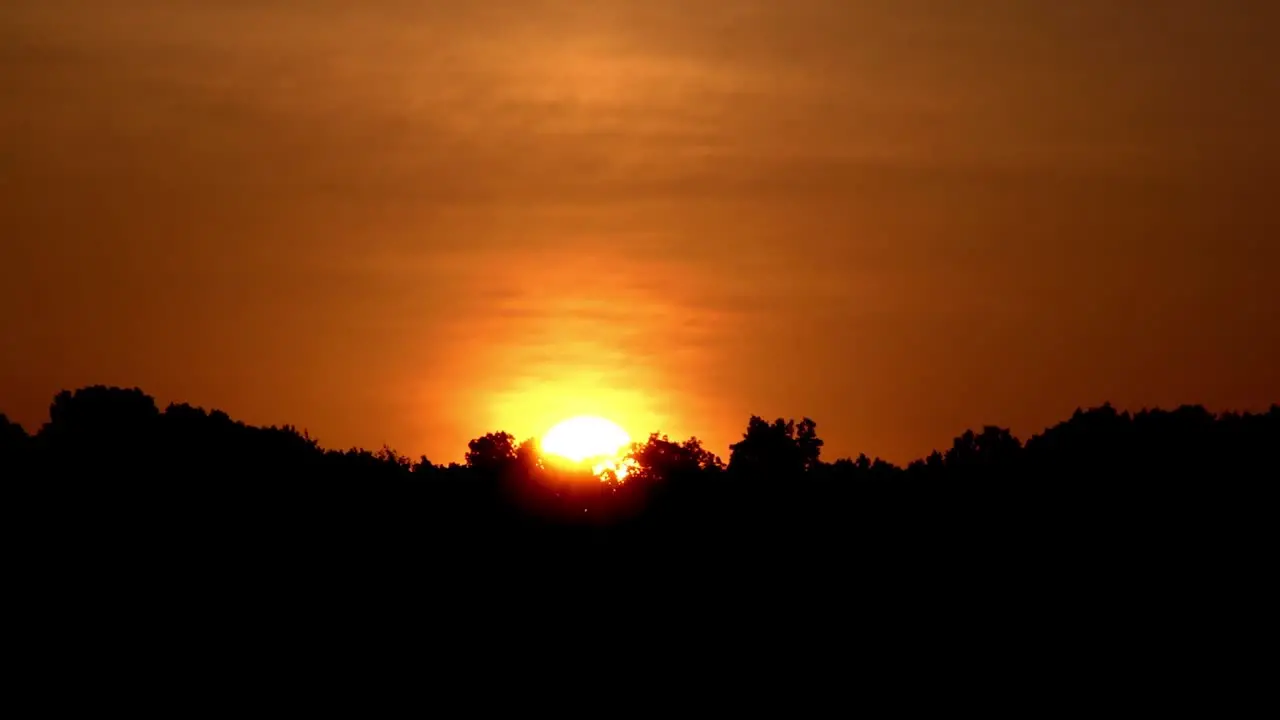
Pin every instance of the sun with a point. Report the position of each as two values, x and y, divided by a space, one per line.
589 439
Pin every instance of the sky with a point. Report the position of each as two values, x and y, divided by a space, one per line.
414 222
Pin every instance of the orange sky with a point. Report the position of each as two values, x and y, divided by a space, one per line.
414 222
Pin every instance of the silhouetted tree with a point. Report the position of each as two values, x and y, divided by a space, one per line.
993 450
15 447
660 458
775 450
808 444
491 453
12 436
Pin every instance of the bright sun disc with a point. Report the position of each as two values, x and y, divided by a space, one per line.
586 438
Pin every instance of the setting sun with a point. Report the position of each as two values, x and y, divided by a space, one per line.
589 439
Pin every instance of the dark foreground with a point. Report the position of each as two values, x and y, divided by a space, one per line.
1108 519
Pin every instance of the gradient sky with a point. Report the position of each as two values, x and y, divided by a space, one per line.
414 222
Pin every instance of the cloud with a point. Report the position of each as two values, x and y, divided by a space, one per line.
690 192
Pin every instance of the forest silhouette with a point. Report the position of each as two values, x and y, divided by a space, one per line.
1113 472
1108 519
184 533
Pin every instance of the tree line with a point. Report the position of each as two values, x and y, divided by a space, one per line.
119 439
114 494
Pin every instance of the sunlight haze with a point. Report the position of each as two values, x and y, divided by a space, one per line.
415 222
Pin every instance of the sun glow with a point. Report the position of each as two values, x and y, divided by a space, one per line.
587 439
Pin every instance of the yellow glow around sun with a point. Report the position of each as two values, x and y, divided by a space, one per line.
587 438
